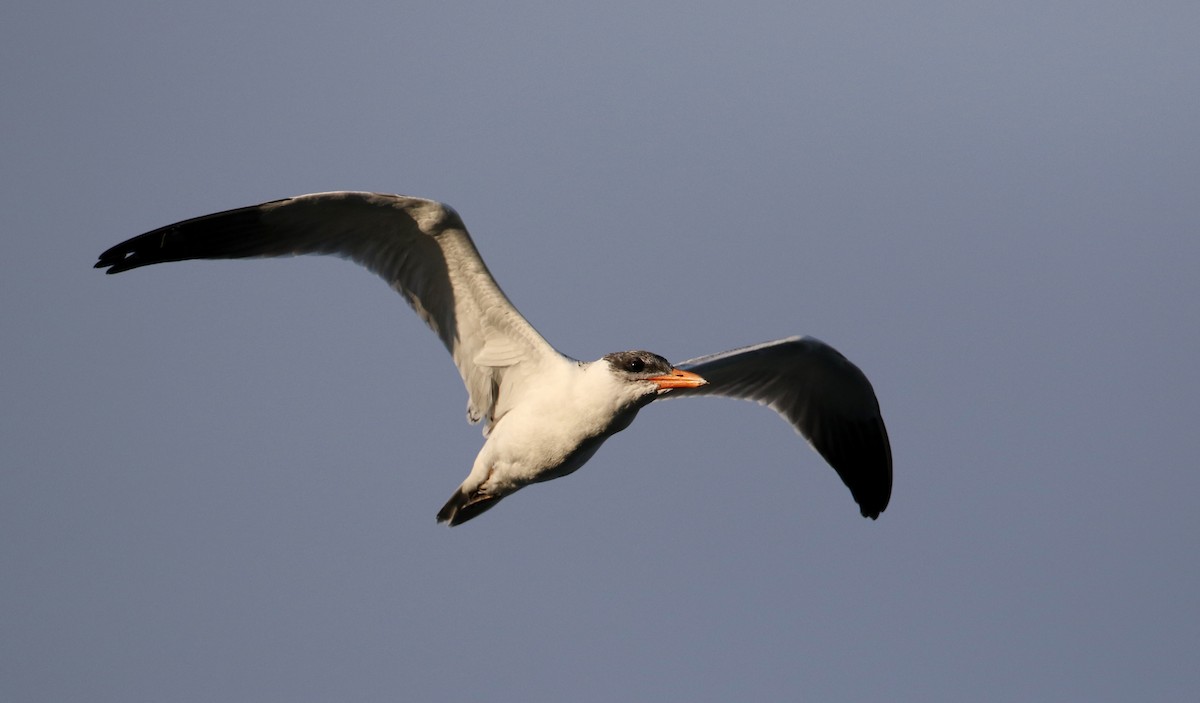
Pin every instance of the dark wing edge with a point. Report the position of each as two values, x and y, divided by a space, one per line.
230 234
419 247
825 397
393 236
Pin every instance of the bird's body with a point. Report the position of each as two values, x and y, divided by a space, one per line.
544 414
532 443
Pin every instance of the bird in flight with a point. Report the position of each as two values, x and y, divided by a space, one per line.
544 414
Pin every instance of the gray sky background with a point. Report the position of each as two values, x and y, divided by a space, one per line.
219 480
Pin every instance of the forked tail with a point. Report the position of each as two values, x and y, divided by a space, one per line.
463 506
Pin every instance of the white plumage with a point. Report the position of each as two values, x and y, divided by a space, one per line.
544 413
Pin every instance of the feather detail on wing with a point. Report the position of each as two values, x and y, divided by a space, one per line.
825 397
420 247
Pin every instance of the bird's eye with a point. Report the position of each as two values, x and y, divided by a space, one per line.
635 365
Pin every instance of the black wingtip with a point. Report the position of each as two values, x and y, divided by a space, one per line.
232 234
110 266
121 257
862 456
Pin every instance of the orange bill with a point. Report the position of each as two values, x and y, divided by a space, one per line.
678 378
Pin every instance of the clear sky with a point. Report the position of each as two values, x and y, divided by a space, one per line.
218 480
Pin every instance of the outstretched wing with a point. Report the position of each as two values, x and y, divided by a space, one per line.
826 398
420 247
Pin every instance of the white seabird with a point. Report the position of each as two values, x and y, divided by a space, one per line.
544 414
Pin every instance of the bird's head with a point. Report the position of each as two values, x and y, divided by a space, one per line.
650 372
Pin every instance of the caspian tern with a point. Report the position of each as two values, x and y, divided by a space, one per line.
544 414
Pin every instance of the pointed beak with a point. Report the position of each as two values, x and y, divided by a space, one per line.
678 378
